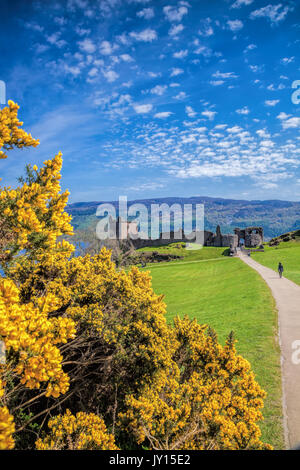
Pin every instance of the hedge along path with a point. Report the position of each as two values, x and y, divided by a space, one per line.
287 297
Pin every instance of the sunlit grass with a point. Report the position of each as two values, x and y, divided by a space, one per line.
288 253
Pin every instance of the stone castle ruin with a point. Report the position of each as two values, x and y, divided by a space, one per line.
251 237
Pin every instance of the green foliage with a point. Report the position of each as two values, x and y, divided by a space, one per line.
26 440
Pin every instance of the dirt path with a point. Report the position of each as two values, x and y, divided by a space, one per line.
287 296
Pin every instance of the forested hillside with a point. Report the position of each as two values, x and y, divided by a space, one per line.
275 216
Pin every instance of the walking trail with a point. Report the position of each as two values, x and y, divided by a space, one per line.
287 296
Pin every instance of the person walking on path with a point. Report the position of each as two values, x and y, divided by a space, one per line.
280 270
287 296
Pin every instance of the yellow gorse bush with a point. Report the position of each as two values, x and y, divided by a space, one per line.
35 213
7 429
82 335
30 337
11 135
214 405
81 432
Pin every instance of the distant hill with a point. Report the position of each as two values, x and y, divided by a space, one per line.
275 216
286 237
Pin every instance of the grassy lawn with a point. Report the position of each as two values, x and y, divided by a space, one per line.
289 255
228 295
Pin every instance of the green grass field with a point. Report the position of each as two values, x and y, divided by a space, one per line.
228 295
289 255
193 254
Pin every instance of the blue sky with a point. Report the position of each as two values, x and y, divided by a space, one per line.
157 98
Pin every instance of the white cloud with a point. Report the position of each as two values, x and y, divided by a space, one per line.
180 54
176 71
93 72
240 3
147 35
274 13
181 95
154 74
60 20
224 75
146 13
176 29
175 14
244 110
271 102
86 45
126 58
40 48
190 112
98 62
158 90
235 25
35 26
250 47
203 50
273 87
73 70
263 134
81 31
110 75
73 4
267 143
123 100
206 29
123 39
213 151
127 84
283 115
216 82
268 185
106 48
163 115
291 123
234 130
142 108
54 39
209 114
256 68
287 60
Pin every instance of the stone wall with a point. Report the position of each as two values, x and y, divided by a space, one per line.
252 236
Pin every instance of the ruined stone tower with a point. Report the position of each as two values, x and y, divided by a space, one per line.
252 236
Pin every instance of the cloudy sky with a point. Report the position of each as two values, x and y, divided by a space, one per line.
155 98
